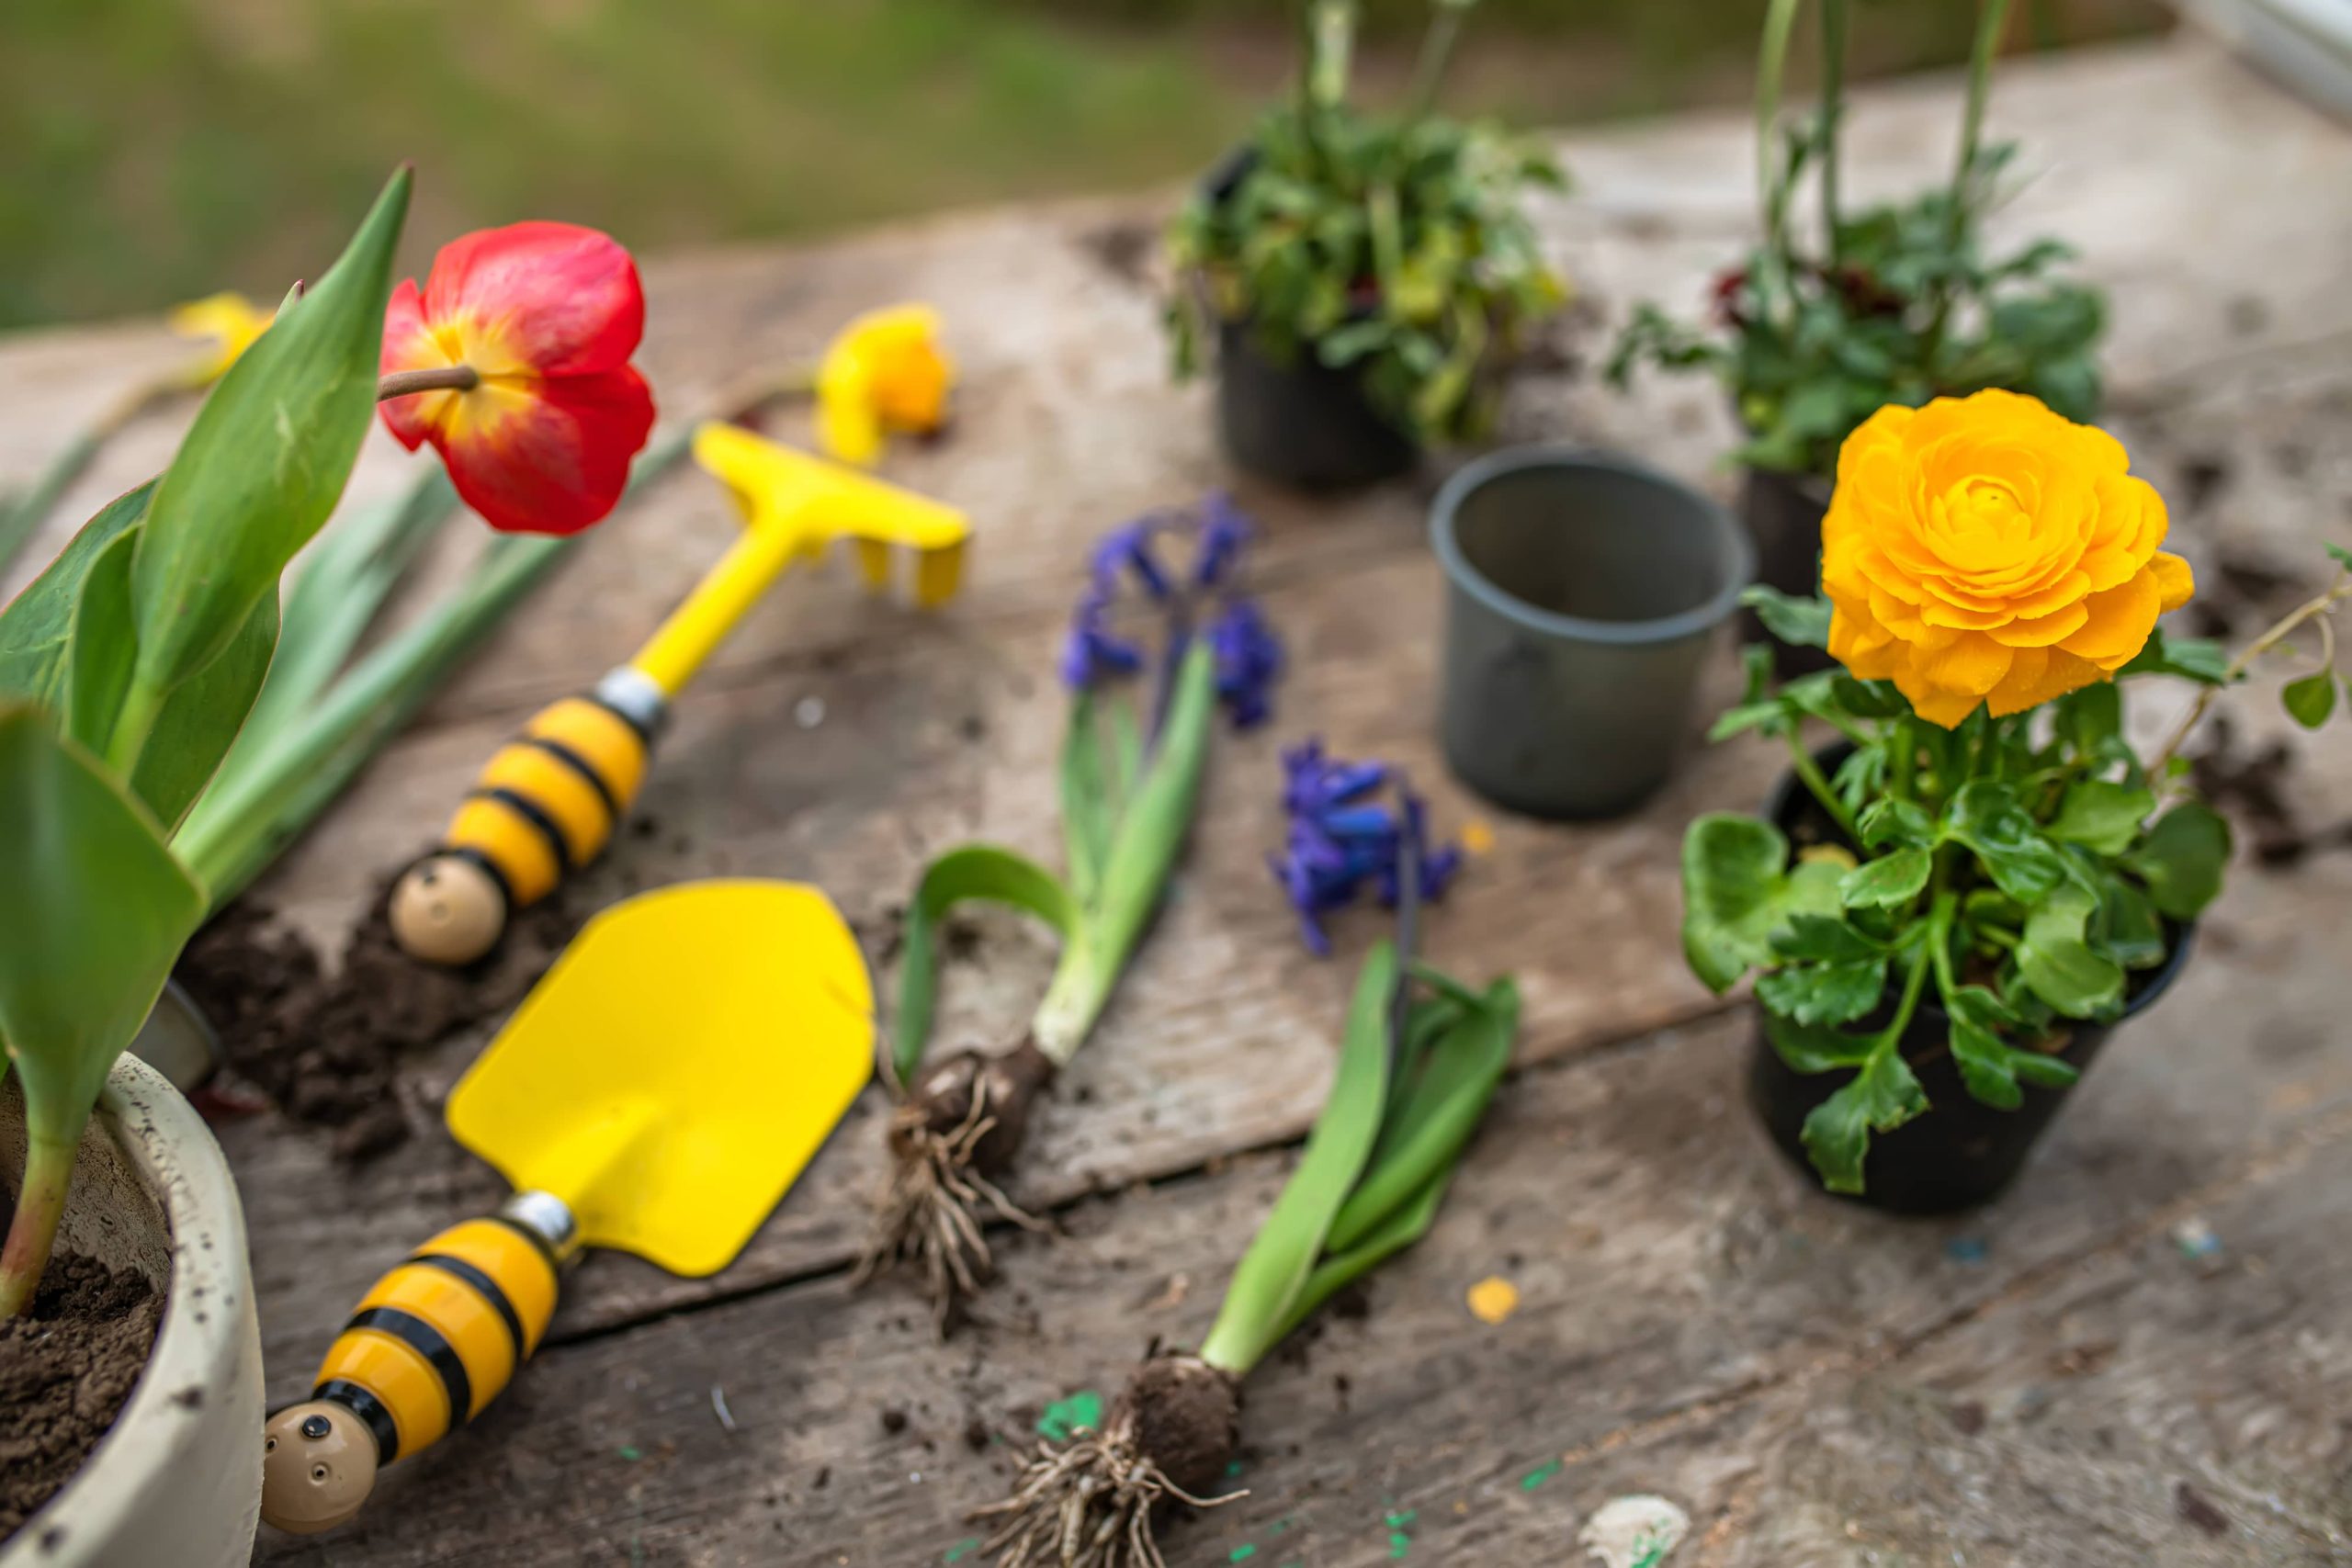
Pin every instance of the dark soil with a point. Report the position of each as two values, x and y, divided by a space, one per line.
324 1046
65 1369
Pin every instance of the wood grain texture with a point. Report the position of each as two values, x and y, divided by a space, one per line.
1798 1374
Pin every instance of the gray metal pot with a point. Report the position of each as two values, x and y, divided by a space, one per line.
1583 593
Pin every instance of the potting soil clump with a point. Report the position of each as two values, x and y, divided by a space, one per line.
324 1045
66 1367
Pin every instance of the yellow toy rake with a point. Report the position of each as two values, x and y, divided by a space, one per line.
549 800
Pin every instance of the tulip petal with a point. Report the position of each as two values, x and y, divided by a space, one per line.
545 456
409 344
553 299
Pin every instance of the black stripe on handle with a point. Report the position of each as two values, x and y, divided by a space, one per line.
580 765
425 1340
523 807
483 1286
369 1409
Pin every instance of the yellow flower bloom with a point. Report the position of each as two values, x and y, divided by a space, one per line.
231 320
1983 549
885 371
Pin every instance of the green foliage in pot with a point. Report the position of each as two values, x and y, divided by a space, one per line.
1991 839
1897 303
1395 246
126 671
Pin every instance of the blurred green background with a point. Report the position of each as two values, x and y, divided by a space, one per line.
153 150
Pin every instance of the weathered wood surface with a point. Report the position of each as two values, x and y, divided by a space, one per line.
1697 1323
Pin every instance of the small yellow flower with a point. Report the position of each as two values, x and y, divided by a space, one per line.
230 320
1983 549
883 372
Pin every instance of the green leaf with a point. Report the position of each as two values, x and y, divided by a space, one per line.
2191 659
2182 859
1880 1098
1809 1048
1891 820
1824 939
197 722
2339 554
1984 1064
2057 961
1273 1275
1435 1108
97 911
352 569
1824 993
2131 930
2102 815
1987 817
971 871
1889 881
1800 623
1737 889
2090 717
1086 800
36 630
2042 1069
265 461
2312 699
1981 1007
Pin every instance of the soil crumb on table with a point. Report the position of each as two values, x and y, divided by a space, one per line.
65 1369
324 1045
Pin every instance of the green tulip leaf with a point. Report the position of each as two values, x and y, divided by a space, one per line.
969 872
261 467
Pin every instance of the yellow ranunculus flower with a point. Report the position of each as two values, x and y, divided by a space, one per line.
1983 549
885 371
231 320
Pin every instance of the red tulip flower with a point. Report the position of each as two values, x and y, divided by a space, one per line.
513 361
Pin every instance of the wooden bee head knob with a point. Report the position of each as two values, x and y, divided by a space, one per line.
318 1464
447 911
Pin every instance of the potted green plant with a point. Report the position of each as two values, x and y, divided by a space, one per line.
1951 908
127 670
1364 277
1897 303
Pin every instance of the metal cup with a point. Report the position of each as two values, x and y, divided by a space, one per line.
1583 593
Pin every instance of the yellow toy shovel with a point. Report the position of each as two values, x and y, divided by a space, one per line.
658 1092
549 800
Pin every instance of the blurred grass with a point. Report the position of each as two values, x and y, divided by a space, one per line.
153 150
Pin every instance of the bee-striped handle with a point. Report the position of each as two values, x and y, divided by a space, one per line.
549 800
429 1347
439 1335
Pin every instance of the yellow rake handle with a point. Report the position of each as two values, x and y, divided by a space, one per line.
549 800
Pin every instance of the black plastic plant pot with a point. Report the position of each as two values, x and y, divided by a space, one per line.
1300 423
1962 1153
1783 512
1303 425
1583 594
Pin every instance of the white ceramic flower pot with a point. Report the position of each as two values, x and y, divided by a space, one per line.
176 1483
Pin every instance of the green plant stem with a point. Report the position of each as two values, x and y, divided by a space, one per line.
143 705
2321 606
438 379
1833 112
48 1168
1992 22
1771 69
1437 52
1906 748
1938 932
1810 771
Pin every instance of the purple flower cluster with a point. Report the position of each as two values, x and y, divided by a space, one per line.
1248 655
1343 840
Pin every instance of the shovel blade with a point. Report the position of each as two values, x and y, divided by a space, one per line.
672 1073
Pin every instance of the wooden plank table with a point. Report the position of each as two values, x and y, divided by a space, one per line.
2052 1381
